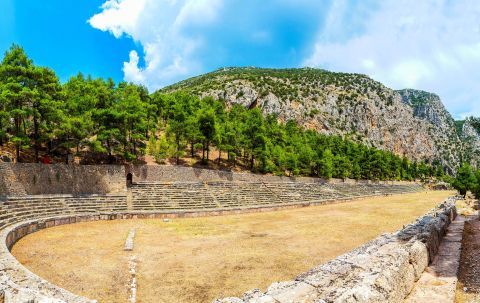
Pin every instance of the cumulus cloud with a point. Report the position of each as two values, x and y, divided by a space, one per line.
429 44
168 30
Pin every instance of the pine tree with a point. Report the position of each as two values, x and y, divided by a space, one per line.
464 180
17 92
326 164
207 127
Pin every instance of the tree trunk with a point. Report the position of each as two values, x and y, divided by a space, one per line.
191 149
219 156
17 145
208 150
252 161
1 138
109 148
178 151
17 152
35 137
203 152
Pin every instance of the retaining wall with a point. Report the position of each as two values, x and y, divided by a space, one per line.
170 173
38 179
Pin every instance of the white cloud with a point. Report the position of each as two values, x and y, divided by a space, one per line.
131 68
118 16
167 30
429 44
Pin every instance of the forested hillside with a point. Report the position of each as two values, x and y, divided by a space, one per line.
409 123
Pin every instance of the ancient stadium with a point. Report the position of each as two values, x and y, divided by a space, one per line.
199 151
177 234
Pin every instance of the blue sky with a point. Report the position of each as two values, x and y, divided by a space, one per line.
55 33
432 45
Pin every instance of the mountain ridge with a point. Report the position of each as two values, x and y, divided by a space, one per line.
408 122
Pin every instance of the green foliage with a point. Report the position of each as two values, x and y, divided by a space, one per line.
459 126
476 185
159 148
465 179
325 164
286 84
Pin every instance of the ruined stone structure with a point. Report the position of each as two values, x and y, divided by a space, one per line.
34 197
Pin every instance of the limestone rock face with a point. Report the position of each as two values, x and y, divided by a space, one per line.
408 122
471 141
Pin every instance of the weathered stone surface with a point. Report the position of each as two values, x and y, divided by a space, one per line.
438 282
38 179
293 291
129 241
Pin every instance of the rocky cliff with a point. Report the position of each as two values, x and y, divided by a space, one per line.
407 122
470 135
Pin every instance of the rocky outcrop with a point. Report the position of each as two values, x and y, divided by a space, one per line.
408 122
429 107
471 141
383 270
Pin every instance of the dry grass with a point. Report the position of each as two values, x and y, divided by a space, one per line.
462 296
199 259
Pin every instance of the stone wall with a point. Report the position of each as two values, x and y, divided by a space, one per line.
40 179
383 270
170 173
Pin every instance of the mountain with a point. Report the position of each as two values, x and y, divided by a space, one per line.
408 122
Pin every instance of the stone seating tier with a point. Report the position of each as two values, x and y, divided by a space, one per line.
224 194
